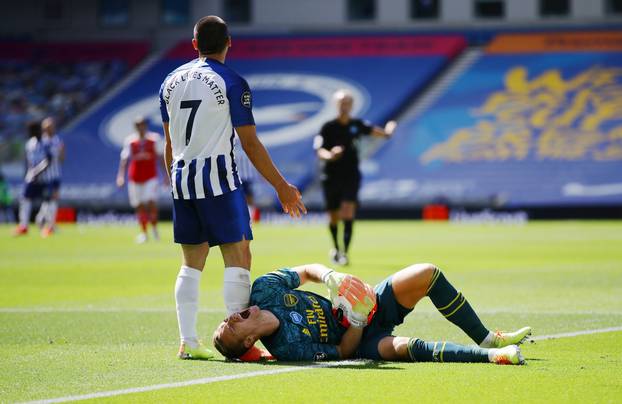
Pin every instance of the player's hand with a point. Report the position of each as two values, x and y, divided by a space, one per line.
365 301
291 200
359 295
120 181
389 128
337 153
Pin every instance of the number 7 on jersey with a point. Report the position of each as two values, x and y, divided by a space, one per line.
194 106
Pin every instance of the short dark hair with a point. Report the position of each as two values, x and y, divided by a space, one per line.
34 129
212 34
229 352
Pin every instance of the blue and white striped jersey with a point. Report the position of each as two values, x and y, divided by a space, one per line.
246 169
203 101
35 151
54 145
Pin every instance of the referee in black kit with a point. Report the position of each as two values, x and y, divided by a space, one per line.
336 146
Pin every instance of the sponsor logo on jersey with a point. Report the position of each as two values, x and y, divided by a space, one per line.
290 300
306 331
296 317
289 107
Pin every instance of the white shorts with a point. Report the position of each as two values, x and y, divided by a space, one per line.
142 192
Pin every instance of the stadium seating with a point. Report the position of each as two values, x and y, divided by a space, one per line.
59 80
293 79
535 121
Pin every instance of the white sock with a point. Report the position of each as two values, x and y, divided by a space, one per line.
51 213
236 289
42 214
25 205
491 353
488 341
187 302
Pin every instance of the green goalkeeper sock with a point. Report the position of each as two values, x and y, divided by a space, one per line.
441 351
454 306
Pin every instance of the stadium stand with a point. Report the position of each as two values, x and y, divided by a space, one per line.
293 79
536 120
55 79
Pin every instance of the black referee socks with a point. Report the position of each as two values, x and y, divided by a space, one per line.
347 234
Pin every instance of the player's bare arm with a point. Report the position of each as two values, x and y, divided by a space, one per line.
386 132
121 172
37 170
288 194
333 154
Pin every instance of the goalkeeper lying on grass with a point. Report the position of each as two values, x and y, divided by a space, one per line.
296 325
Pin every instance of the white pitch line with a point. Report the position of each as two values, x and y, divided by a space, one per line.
576 333
27 310
206 380
216 379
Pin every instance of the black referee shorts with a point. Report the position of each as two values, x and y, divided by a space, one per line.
340 189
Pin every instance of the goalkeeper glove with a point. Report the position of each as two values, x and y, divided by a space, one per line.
360 296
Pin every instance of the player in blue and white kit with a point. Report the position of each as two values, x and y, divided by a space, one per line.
46 218
38 158
203 104
296 325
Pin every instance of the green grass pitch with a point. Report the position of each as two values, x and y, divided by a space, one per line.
89 311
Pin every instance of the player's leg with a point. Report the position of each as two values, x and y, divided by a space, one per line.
135 194
31 191
53 207
237 281
417 281
152 208
150 197
195 249
416 350
348 211
332 200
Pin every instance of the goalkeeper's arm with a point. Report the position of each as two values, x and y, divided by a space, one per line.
349 342
311 273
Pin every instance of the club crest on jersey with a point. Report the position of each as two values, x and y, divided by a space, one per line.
246 99
290 300
296 317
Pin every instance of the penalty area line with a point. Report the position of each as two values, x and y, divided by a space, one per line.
205 380
291 369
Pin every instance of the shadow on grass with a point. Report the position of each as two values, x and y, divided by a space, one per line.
346 364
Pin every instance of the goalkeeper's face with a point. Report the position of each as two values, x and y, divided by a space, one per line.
237 333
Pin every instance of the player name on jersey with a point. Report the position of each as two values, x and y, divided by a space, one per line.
203 101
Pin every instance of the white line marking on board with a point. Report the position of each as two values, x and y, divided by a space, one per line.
216 379
205 380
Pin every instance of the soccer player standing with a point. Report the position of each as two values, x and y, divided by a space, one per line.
143 150
37 161
201 103
46 218
336 145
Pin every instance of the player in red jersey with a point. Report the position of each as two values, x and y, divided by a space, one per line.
144 151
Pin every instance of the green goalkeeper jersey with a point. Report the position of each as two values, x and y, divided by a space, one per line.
308 330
